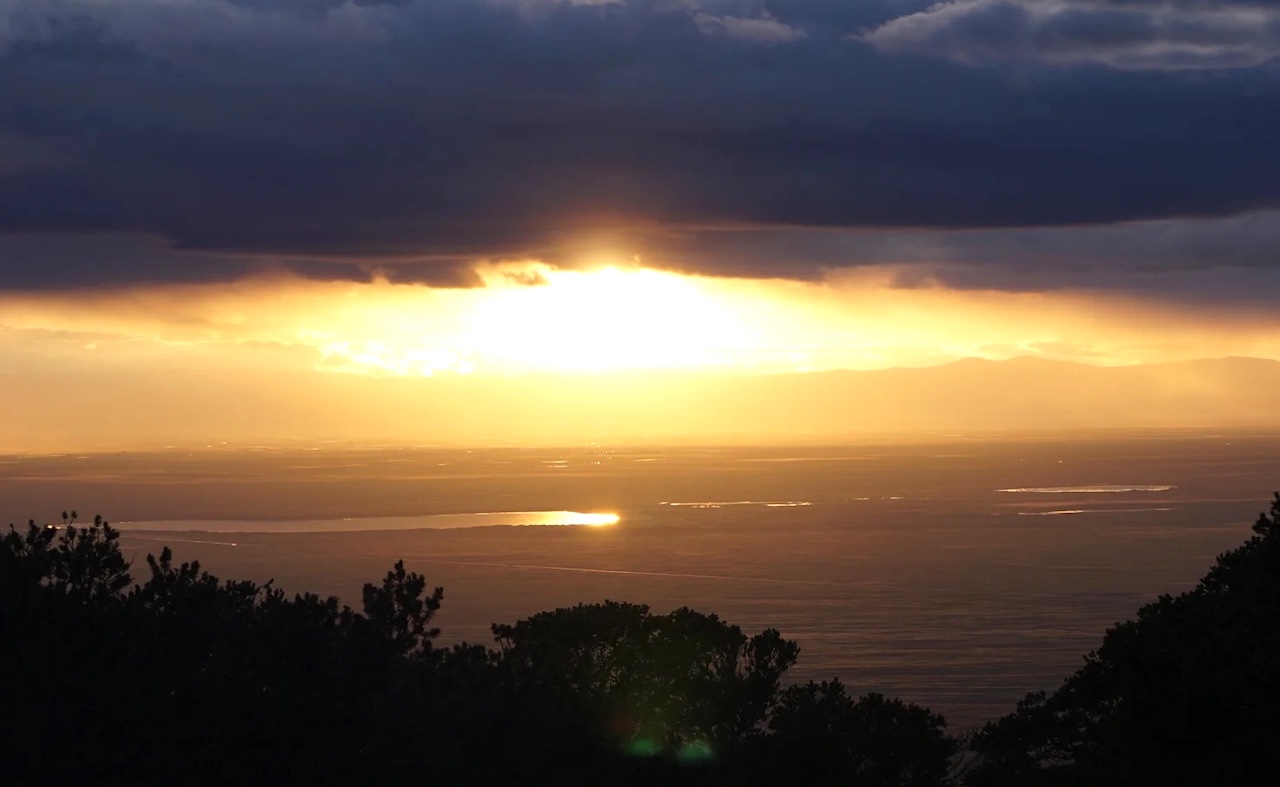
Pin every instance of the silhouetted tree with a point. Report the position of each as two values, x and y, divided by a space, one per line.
817 729
83 563
1188 693
182 675
109 682
399 612
683 685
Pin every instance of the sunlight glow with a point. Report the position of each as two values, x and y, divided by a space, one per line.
531 317
544 355
605 320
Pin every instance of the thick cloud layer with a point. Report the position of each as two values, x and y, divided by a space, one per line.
422 133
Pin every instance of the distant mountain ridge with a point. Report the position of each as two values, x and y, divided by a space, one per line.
1037 393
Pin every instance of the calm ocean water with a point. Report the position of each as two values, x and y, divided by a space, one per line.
960 573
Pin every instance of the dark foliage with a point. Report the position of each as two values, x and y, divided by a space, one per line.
875 741
181 677
1188 693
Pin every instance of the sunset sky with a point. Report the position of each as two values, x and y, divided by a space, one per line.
289 190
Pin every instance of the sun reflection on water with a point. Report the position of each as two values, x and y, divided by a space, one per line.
595 520
361 524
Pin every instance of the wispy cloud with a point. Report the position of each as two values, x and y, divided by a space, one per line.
762 29
1138 35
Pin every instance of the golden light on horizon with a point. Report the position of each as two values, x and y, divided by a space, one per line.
530 317
546 355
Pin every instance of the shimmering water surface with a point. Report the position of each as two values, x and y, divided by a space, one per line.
959 573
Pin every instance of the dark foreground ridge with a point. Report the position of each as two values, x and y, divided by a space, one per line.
179 677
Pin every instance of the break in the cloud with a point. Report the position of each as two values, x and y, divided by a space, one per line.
210 140
1128 34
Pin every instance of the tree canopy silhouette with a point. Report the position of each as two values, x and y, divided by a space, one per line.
108 681
1187 693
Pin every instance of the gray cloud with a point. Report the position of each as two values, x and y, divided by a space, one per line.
1130 34
38 262
1159 257
726 136
762 29
1228 260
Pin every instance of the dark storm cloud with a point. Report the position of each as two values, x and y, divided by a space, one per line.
35 262
443 130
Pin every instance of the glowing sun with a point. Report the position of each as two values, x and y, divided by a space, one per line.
605 320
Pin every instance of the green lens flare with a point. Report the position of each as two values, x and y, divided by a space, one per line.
644 747
695 751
